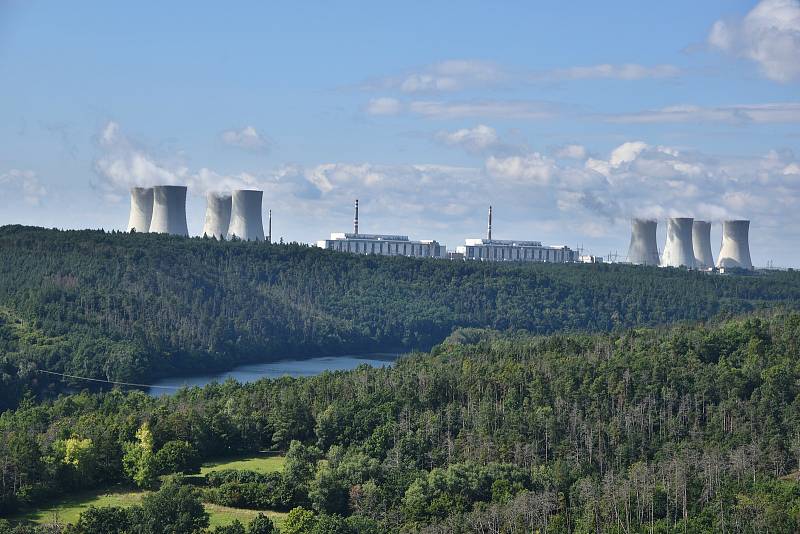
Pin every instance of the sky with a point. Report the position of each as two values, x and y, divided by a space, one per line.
569 118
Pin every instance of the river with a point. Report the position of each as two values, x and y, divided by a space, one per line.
254 371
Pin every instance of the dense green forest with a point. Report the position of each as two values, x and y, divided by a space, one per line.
129 307
689 428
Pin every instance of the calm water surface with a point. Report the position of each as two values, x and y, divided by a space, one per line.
255 371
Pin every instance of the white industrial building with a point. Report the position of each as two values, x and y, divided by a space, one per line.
643 249
382 244
169 210
679 249
246 222
218 215
701 244
513 250
141 209
735 251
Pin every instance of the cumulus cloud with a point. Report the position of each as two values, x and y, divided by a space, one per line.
247 138
769 35
639 179
536 196
533 168
123 163
475 139
786 112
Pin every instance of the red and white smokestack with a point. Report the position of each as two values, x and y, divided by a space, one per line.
355 221
489 233
269 228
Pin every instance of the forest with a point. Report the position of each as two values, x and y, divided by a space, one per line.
682 428
132 307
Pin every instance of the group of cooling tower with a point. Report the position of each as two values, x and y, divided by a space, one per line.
162 209
689 244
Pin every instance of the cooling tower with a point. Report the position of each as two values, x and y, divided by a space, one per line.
218 215
141 209
678 250
246 215
169 210
735 250
643 249
701 244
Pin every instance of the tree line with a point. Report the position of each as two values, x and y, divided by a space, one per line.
689 428
131 307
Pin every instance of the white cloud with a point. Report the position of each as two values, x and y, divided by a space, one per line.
769 35
446 76
501 109
23 183
572 152
536 196
532 169
626 71
384 106
464 74
786 112
247 138
626 152
475 139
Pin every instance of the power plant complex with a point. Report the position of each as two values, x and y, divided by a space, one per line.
238 215
382 244
162 210
489 249
688 244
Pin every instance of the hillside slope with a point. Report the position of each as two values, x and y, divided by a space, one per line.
133 306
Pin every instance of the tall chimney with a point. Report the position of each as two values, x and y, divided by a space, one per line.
489 233
355 221
269 228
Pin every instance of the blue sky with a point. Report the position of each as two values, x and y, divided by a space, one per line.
569 117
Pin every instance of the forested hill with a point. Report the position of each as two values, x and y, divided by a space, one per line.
131 306
670 430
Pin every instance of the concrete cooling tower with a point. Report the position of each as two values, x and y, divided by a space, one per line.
246 221
701 244
643 249
678 250
218 215
169 210
735 250
141 209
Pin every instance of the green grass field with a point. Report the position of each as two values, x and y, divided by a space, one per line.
261 463
68 509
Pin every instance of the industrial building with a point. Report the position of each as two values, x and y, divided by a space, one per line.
162 209
218 215
735 251
678 249
688 244
246 223
513 250
701 243
141 209
382 244
169 210
643 249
